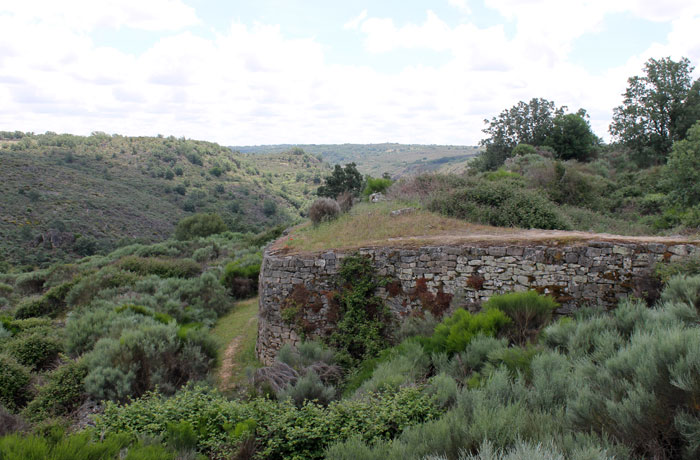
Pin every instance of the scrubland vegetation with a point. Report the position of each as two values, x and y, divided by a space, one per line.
65 196
121 354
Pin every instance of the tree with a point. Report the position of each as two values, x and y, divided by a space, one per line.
524 123
683 169
346 179
571 137
657 110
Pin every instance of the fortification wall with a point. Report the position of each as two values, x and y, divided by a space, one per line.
595 273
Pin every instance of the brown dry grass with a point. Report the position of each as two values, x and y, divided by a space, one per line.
368 225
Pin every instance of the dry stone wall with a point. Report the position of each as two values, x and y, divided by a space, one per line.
297 292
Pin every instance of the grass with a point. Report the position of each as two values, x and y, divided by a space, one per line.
371 224
240 324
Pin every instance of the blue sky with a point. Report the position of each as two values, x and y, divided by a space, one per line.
311 71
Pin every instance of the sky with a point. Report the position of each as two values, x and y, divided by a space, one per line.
323 71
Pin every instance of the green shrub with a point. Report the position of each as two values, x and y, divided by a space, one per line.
50 304
685 266
361 331
500 203
181 436
14 379
453 334
501 174
308 388
35 349
683 289
403 365
652 203
281 429
141 359
529 312
61 394
324 210
199 225
164 268
241 276
376 185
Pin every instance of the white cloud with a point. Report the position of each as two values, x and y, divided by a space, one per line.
251 84
86 15
355 22
460 5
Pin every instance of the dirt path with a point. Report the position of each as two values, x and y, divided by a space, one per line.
228 363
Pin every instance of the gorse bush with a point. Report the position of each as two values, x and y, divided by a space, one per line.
454 333
528 311
500 203
199 226
324 210
164 268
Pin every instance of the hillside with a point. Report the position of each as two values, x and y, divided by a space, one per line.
377 159
66 196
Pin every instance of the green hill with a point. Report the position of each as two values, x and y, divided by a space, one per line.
377 159
65 196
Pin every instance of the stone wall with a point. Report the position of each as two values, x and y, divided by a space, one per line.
595 273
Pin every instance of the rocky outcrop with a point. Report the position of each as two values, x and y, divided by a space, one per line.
590 273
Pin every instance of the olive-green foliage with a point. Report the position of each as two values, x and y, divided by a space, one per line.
61 394
308 387
682 170
571 138
501 203
523 149
164 268
376 185
143 358
241 276
416 325
282 430
35 348
529 312
346 179
324 210
14 379
199 225
361 331
52 303
454 333
402 365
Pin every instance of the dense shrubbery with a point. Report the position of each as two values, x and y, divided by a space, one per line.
528 311
620 384
324 210
281 429
241 276
14 379
199 225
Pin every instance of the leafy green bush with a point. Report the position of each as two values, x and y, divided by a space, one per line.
361 331
164 268
685 266
199 225
61 394
403 365
453 334
14 379
35 349
529 312
500 203
241 276
281 429
52 303
376 185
